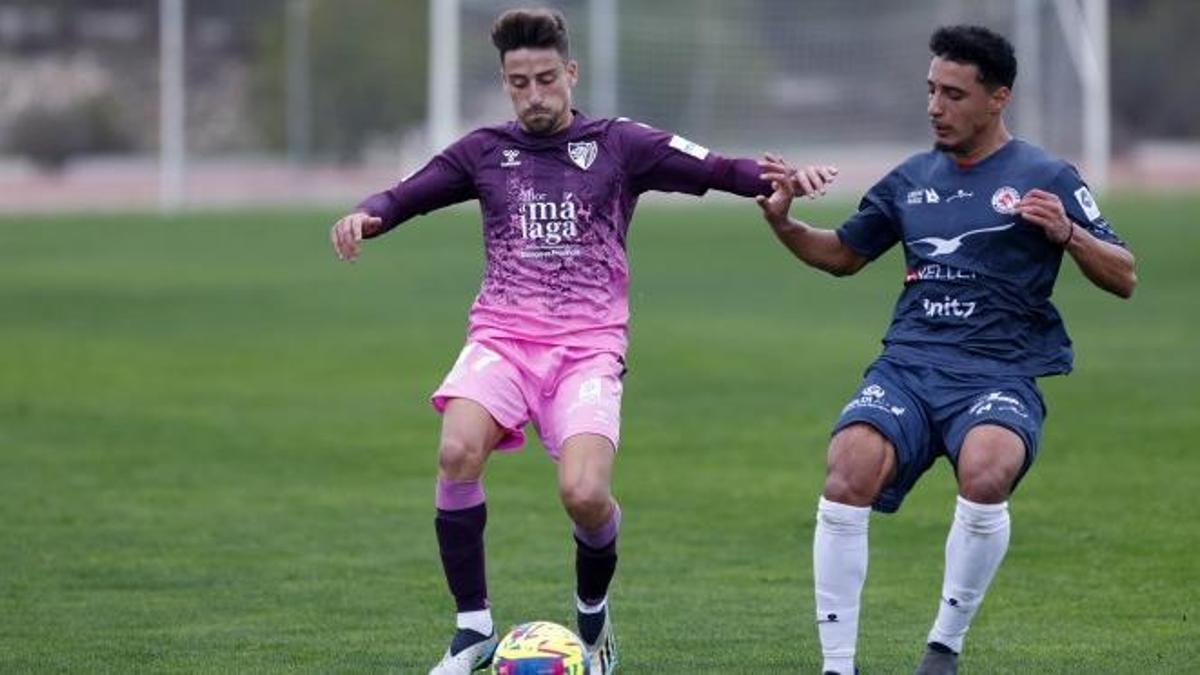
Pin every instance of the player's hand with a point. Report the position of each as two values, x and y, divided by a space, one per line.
811 181
1045 210
775 207
348 231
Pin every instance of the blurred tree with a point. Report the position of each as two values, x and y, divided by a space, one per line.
368 63
50 136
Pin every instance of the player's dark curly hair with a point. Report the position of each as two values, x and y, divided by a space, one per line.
989 52
533 28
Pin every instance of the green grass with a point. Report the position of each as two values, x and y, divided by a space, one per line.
216 455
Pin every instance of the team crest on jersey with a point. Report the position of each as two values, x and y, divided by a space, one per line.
1005 199
583 154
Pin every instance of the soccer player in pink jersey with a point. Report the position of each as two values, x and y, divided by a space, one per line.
547 332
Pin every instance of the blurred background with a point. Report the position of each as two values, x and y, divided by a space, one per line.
169 104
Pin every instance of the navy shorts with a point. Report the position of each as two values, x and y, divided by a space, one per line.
926 412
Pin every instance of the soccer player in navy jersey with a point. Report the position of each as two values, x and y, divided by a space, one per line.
984 220
548 330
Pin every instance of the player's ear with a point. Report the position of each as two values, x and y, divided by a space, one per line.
572 69
999 99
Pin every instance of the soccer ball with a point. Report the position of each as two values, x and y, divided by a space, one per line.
540 648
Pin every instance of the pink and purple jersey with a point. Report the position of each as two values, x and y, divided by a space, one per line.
556 211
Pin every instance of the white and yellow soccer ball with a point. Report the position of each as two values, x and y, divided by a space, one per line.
540 648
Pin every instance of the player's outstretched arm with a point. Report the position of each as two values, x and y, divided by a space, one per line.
446 179
819 248
348 232
1107 265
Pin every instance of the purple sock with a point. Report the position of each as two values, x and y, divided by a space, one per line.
461 517
596 558
458 495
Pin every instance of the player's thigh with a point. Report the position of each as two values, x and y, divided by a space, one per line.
860 461
881 443
469 433
483 408
586 401
989 462
994 440
585 467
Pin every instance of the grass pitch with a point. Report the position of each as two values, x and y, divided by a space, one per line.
216 455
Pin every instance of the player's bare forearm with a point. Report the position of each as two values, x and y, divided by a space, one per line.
1107 265
818 248
822 249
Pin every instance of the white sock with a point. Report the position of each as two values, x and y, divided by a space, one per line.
590 609
974 548
479 621
839 572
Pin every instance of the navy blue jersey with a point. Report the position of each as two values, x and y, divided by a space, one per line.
978 279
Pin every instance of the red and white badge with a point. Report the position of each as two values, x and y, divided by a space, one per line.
1005 199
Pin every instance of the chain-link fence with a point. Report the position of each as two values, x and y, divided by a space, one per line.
303 101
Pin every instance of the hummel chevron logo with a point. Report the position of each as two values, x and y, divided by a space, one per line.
947 246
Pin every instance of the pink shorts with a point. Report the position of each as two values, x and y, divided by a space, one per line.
564 391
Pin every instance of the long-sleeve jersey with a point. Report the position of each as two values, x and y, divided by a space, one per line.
556 211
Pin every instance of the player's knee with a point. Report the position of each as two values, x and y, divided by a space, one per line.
988 485
459 459
859 465
585 501
846 490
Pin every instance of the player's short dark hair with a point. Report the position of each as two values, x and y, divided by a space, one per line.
990 53
533 28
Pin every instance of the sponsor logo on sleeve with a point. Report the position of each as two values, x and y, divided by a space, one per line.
1090 209
688 148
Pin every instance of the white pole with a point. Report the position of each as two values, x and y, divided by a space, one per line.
1089 53
171 142
1028 88
603 42
443 73
298 90
1098 123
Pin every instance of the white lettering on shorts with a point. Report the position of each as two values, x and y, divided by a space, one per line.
872 397
486 358
1000 402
